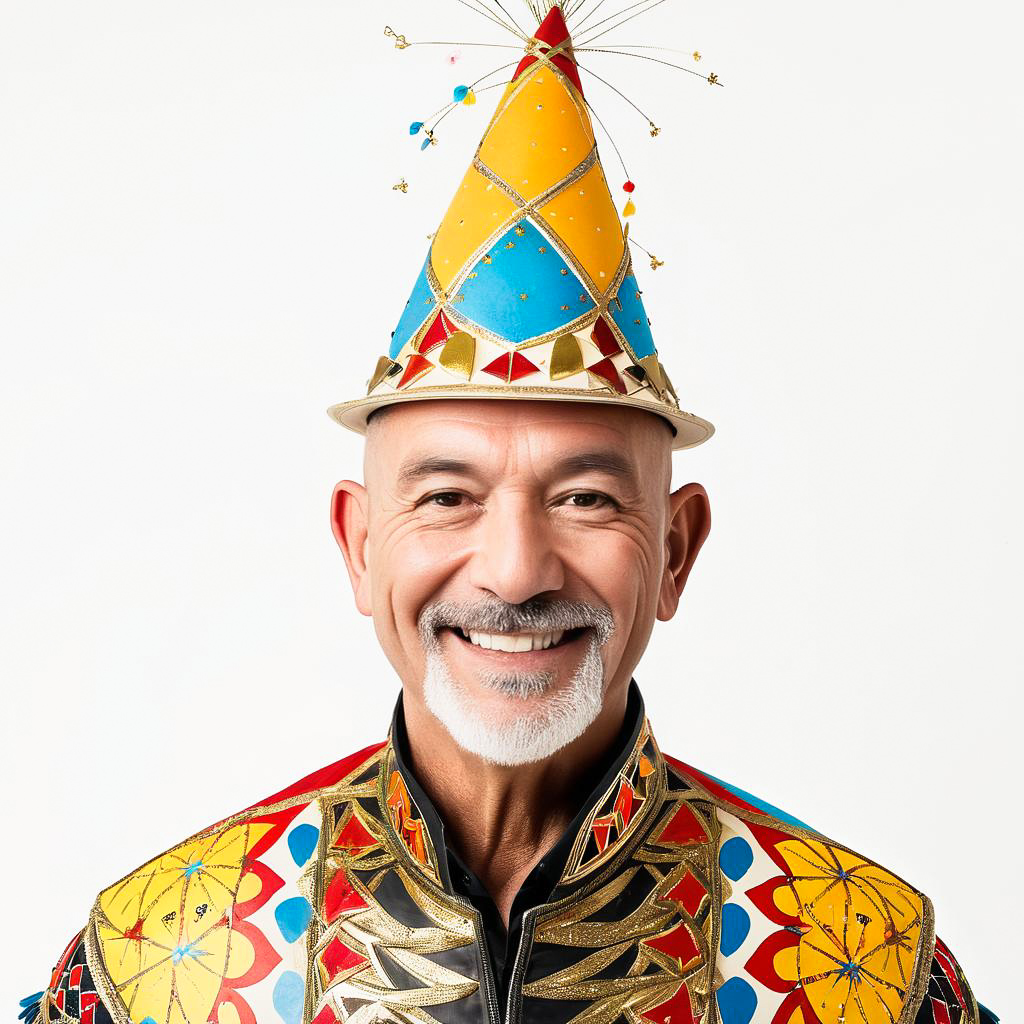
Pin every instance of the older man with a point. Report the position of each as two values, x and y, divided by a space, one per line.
515 645
518 849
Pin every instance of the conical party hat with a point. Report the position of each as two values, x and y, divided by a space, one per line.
528 289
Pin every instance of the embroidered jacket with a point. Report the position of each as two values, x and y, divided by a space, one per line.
681 900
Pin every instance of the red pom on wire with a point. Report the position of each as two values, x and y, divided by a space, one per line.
628 187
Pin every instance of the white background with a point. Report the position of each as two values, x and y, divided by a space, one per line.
200 250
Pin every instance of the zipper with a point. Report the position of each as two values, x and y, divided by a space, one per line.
489 985
519 966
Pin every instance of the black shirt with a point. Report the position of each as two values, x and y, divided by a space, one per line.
537 887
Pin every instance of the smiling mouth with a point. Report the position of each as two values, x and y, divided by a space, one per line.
517 643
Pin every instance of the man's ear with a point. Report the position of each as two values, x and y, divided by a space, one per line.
688 528
350 525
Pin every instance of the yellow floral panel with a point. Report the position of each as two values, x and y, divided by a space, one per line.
863 925
540 132
165 932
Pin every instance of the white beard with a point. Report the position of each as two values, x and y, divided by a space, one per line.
515 739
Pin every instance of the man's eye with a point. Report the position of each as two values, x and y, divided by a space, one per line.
445 499
588 499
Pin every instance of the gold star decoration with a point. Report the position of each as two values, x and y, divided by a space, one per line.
401 43
696 54
655 130
655 262
402 186
712 79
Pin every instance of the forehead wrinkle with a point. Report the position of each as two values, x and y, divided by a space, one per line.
626 437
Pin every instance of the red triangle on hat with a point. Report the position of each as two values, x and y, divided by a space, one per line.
438 332
416 367
510 366
603 338
606 370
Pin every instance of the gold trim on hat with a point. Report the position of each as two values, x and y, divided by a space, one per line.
690 429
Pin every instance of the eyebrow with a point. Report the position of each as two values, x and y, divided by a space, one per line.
413 470
610 462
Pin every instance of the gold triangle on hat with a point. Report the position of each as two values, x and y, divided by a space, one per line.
386 367
458 354
566 357
653 369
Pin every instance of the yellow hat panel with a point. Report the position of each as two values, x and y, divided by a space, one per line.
585 219
540 132
480 208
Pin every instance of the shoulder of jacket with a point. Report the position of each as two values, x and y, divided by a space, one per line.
809 928
197 930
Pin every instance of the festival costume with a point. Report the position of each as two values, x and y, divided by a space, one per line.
675 899
672 898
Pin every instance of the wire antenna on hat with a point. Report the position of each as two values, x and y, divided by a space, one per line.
575 14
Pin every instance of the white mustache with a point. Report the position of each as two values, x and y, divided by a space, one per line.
492 615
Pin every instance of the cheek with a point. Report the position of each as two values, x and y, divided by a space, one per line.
619 547
622 571
410 567
619 568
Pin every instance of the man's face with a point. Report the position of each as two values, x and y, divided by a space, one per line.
515 557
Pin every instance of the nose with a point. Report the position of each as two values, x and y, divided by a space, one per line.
515 556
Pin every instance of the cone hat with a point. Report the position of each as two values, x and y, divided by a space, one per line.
528 290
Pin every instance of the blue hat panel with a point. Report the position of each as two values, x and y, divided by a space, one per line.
523 288
632 318
421 303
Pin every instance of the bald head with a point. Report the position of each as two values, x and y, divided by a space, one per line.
512 515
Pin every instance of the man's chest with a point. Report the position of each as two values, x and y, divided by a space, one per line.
630 929
670 907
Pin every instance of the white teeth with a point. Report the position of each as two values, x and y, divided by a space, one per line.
515 642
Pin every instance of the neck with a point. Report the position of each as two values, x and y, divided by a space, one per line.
502 820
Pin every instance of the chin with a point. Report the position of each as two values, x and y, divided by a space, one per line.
514 717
